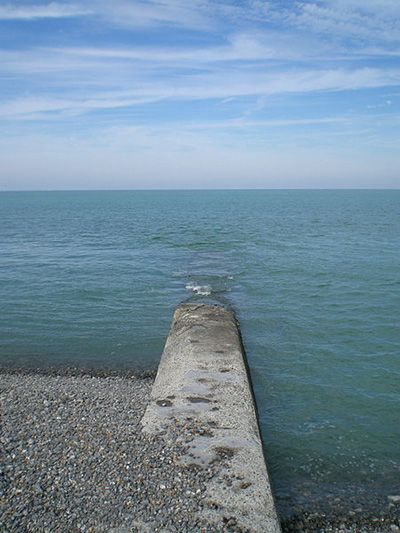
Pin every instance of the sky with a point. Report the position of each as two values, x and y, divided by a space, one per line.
181 94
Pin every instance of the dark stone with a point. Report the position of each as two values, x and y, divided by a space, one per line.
164 403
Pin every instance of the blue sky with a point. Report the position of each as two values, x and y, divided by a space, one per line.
132 94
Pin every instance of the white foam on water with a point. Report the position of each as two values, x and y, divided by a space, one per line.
201 290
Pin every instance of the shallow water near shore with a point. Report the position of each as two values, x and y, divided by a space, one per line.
91 279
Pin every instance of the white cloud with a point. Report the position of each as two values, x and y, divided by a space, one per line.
350 20
52 10
334 19
219 84
150 13
239 48
34 108
245 123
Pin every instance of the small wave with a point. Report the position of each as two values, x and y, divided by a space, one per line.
201 290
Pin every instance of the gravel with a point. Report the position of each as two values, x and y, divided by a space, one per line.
75 460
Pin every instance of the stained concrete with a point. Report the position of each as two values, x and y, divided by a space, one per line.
202 397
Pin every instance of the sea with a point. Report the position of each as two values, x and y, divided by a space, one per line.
91 280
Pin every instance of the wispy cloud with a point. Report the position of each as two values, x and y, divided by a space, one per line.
209 85
49 109
351 21
344 20
52 10
338 21
153 13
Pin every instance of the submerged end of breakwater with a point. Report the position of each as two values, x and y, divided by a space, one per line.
202 399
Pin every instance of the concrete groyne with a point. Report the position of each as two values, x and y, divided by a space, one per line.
202 398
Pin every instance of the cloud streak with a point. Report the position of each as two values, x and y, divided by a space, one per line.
43 11
207 87
153 13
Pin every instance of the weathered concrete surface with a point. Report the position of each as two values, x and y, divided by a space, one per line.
202 397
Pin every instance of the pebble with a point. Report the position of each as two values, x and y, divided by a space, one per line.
76 459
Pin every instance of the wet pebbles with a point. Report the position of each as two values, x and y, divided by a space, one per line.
347 508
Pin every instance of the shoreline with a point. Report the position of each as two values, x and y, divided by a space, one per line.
77 371
76 460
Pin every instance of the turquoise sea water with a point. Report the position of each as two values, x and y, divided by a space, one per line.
92 279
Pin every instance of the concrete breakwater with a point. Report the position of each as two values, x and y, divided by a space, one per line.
202 400
119 453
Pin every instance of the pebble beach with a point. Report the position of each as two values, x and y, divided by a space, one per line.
75 460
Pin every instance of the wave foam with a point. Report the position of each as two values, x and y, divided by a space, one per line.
201 290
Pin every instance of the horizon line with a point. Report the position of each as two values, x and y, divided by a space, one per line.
199 189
